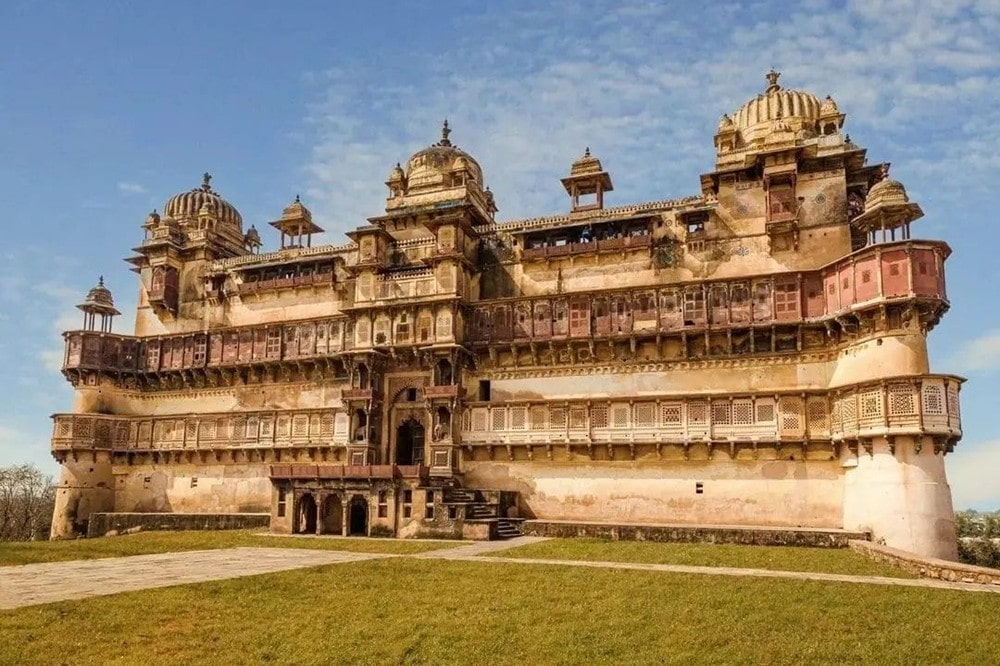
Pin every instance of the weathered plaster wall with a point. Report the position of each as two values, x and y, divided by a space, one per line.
191 488
807 494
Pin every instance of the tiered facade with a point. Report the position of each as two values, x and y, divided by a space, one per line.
752 355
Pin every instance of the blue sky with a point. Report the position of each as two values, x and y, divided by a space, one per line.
107 109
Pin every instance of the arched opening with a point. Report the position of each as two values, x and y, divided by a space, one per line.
357 517
307 515
333 515
444 373
442 424
410 443
363 377
360 426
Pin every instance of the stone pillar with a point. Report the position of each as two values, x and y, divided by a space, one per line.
902 497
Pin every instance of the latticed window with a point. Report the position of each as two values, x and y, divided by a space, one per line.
200 347
765 410
743 412
207 430
933 402
697 412
670 413
252 427
498 419
314 425
239 429
577 418
557 418
645 415
222 430
791 413
326 426
599 416
300 426
849 408
382 330
901 400
284 426
816 413
518 418
953 400
538 418
341 424
619 416
721 413
871 404
479 418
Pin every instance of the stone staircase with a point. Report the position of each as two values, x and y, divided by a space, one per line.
477 509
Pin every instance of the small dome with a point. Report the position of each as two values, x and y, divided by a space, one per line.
725 122
886 191
99 300
797 110
187 205
396 174
426 168
828 107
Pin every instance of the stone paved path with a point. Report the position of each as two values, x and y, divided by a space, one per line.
31 584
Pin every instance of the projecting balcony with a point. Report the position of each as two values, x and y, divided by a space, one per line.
446 391
347 472
627 243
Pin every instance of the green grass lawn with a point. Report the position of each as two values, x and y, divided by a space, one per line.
785 558
144 543
406 611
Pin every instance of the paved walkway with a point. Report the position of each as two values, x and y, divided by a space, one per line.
31 584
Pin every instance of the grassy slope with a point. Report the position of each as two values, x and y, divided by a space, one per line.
163 542
786 558
438 612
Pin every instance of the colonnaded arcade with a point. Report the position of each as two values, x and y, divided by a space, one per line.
753 354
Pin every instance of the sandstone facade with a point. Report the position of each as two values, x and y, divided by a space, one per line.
752 354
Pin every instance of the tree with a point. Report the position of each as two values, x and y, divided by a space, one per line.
26 502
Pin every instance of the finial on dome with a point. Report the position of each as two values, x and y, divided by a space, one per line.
206 179
297 199
100 281
883 173
445 131
772 80
586 151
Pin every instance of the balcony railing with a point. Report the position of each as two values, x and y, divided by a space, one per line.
347 472
899 406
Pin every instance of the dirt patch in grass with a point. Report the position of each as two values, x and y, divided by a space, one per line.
144 543
413 611
783 558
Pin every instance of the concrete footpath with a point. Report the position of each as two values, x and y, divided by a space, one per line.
32 584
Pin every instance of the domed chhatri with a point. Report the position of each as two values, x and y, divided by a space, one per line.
99 303
187 205
432 167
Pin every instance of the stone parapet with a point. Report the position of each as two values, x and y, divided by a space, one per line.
731 534
928 567
102 523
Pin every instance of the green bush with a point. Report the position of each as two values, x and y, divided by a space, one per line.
980 552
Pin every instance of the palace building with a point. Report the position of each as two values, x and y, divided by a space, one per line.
754 354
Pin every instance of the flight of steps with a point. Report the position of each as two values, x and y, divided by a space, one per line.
479 510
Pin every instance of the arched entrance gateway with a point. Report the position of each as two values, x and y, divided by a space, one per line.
357 516
410 443
333 515
307 515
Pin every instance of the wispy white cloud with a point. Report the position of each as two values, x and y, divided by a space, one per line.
972 474
644 85
978 355
126 187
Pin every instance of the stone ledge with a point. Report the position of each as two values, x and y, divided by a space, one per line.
927 567
757 535
100 524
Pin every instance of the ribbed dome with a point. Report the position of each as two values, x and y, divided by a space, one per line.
799 111
427 167
886 191
187 205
